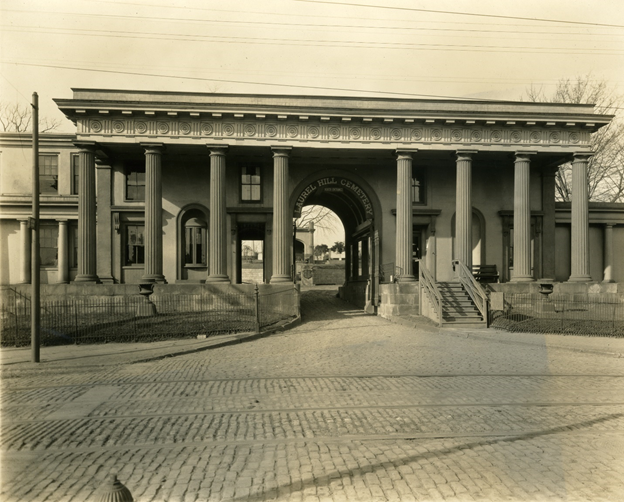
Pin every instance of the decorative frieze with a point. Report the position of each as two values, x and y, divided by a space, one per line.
327 131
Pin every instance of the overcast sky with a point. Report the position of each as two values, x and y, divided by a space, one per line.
401 48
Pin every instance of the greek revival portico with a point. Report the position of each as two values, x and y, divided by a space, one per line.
225 130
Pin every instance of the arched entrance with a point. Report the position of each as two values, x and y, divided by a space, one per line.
356 204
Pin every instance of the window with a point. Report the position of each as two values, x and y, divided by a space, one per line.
135 245
135 183
48 173
48 245
418 186
195 242
251 184
75 169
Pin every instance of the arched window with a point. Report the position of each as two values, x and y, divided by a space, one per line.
195 242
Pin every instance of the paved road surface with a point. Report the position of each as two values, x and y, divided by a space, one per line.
345 406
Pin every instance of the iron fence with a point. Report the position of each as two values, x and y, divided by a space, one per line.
566 314
119 318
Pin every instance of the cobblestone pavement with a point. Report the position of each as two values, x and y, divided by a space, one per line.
345 406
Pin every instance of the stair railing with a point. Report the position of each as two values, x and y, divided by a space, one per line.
472 287
429 288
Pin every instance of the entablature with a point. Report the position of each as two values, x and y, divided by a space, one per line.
328 134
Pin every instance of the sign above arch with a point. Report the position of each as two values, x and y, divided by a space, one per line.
334 185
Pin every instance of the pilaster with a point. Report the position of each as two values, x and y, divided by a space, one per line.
217 251
608 253
432 249
522 220
548 223
86 214
153 266
63 252
104 223
282 226
580 220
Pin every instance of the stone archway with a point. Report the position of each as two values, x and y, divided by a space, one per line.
355 203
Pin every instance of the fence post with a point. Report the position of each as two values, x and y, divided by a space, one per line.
297 297
16 317
257 301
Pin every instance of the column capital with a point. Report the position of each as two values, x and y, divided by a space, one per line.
406 154
582 157
217 150
153 148
524 156
86 146
465 154
281 151
62 220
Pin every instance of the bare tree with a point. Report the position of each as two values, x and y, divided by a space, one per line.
320 216
17 118
606 167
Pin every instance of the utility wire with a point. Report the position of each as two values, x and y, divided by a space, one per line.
273 14
298 86
317 25
456 13
312 42
290 86
333 75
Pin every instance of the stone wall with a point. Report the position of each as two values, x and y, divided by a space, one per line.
398 299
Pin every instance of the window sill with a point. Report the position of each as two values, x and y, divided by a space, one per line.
195 266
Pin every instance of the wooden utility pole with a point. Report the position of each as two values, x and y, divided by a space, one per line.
35 301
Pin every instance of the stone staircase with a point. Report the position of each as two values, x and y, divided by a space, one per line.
458 309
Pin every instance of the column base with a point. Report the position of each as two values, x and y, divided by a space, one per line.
523 278
87 278
406 278
156 278
107 280
217 278
609 281
276 279
580 278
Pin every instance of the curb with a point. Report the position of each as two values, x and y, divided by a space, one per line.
430 327
492 338
238 338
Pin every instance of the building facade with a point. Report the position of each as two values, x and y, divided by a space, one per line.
164 187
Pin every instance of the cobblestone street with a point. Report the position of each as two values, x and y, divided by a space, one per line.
345 406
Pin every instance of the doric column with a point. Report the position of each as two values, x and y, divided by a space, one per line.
404 236
63 252
463 208
217 251
281 221
522 220
25 250
608 253
153 266
86 214
580 220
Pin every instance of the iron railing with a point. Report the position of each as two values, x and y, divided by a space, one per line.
82 320
428 286
567 314
472 287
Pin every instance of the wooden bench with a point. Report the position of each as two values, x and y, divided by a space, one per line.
485 273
